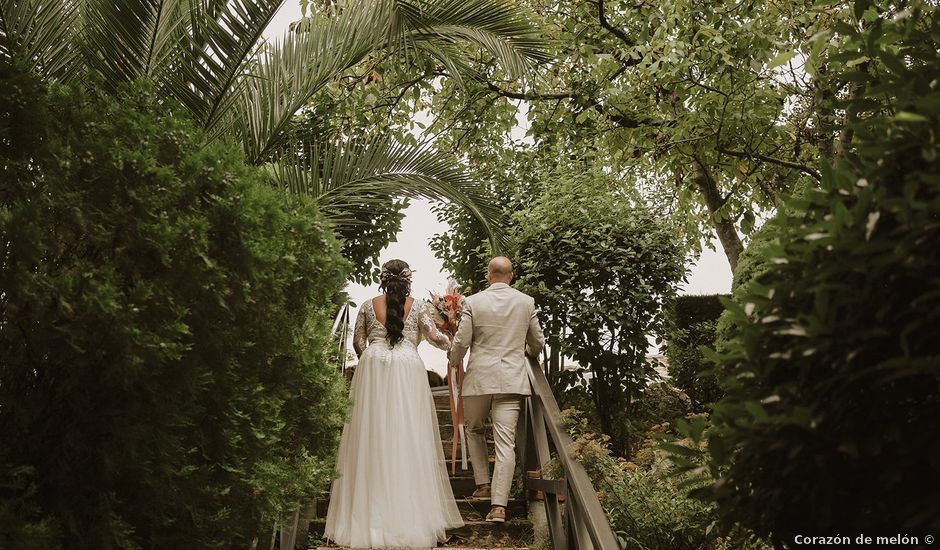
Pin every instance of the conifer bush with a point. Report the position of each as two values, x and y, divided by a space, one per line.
164 380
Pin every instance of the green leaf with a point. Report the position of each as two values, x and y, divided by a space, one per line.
341 176
907 116
679 450
781 58
756 410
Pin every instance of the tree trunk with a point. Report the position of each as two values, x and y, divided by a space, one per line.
553 364
600 400
610 404
725 229
825 116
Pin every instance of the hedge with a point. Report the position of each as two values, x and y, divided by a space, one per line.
693 321
829 425
165 320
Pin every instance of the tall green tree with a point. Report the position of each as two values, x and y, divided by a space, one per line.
164 329
601 269
707 108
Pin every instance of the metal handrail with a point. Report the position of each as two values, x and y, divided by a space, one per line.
587 524
341 325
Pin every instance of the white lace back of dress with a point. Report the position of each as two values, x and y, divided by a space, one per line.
419 322
378 332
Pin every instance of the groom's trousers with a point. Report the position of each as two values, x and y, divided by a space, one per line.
504 409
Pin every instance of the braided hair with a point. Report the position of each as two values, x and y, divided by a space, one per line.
395 282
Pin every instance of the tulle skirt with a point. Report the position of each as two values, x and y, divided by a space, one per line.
392 490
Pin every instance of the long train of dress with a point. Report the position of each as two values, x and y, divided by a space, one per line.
393 490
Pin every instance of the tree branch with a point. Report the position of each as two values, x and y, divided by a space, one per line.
531 96
772 160
405 86
705 86
621 120
610 28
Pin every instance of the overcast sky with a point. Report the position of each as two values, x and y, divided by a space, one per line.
710 274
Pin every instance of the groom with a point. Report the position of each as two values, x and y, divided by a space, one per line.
499 326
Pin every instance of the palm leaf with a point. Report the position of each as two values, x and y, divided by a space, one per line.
344 177
41 33
128 39
501 28
290 71
223 38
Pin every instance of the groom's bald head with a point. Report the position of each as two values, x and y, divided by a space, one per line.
499 270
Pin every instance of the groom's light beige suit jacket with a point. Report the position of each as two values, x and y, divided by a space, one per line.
497 326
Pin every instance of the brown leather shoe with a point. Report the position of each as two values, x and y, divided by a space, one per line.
483 491
497 515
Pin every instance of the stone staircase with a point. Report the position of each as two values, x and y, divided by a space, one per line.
515 534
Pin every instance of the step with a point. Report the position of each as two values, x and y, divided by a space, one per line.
476 509
470 508
461 483
447 443
515 533
463 487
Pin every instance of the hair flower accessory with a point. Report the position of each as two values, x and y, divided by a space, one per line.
403 276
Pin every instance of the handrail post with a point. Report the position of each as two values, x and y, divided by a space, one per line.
542 454
588 526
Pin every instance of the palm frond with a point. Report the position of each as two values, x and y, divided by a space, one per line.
291 70
343 177
41 33
500 27
128 39
452 57
222 40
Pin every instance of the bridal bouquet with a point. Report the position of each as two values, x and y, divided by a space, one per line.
447 307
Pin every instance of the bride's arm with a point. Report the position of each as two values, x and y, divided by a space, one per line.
359 334
437 338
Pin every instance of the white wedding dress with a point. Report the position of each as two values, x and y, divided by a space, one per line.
392 490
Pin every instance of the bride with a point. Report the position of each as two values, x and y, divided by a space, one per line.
392 490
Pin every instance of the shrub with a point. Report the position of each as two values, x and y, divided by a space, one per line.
601 270
834 393
752 263
164 324
648 505
657 403
690 309
692 326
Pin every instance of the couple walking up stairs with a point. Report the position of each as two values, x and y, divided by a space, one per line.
392 490
516 533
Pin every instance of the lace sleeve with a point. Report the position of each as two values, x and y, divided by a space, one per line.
437 338
359 334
